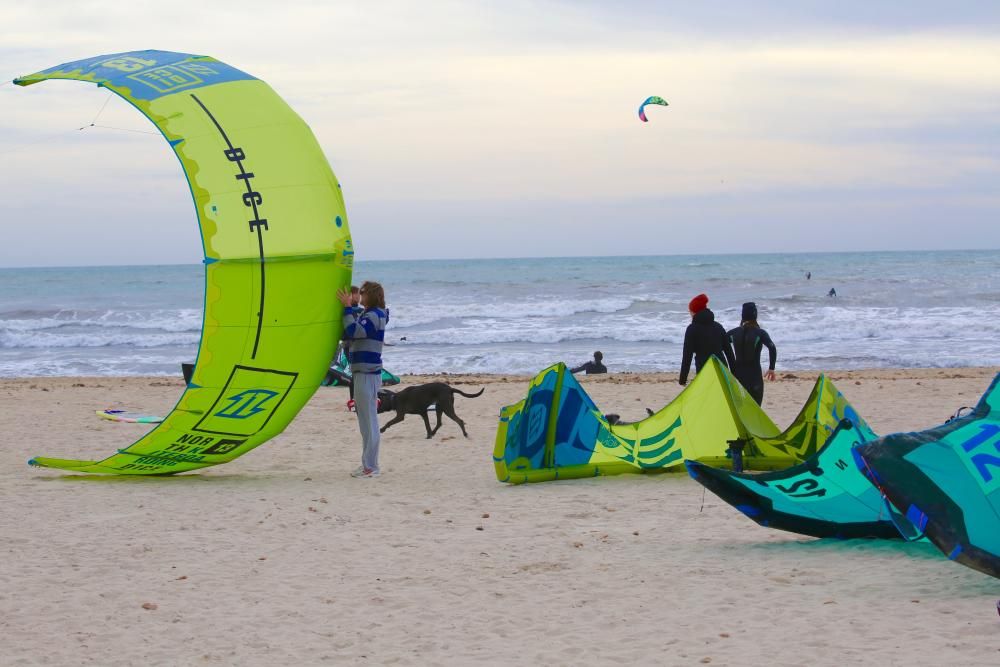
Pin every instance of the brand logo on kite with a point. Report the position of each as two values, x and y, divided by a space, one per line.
977 450
246 403
802 488
223 446
168 78
250 398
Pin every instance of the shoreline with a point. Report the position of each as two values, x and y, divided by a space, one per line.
616 376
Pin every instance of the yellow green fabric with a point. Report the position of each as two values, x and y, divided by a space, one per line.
557 432
277 248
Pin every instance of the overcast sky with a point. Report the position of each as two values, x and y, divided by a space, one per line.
500 129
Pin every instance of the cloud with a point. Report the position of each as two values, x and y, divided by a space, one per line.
438 113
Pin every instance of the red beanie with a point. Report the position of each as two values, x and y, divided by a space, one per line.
699 303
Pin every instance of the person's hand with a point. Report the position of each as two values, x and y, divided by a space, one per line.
344 297
769 375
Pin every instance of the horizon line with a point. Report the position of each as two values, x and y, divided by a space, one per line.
539 257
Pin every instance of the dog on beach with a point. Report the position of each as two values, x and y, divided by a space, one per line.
419 400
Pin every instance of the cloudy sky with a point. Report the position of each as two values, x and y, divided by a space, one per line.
500 129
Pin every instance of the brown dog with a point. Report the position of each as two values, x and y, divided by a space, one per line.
418 401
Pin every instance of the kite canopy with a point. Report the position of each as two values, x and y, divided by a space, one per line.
650 100
946 482
276 246
557 432
340 373
825 496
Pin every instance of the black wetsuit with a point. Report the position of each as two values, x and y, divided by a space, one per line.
591 368
747 345
703 338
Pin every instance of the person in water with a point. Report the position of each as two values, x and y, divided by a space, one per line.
832 292
366 332
592 367
703 338
748 340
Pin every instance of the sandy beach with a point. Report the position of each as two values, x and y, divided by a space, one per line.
280 558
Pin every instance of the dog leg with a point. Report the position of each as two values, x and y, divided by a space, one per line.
395 420
427 424
437 411
450 411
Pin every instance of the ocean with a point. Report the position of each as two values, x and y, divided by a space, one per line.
892 309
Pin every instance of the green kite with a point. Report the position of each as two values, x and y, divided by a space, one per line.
276 245
557 432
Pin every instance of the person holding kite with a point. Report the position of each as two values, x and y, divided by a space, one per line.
366 332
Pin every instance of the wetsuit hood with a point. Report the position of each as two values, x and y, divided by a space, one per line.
705 316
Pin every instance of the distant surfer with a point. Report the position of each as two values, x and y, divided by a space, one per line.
832 292
594 367
748 340
703 338
809 275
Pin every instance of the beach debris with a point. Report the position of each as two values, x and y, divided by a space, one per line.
150 606
427 511
480 528
486 515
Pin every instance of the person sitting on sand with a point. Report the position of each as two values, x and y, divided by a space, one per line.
748 340
592 367
703 338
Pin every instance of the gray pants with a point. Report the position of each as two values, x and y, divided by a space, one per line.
366 386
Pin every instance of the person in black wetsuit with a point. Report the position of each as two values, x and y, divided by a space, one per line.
703 338
748 340
591 367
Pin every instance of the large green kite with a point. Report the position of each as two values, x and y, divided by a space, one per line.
276 246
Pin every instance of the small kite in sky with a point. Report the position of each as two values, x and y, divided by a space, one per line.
650 100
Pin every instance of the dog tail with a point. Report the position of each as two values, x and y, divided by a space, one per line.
458 391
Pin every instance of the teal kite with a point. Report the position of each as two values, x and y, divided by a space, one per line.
946 483
650 100
824 496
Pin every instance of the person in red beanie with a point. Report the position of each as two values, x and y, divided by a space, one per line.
704 337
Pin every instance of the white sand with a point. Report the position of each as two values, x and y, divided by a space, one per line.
280 558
